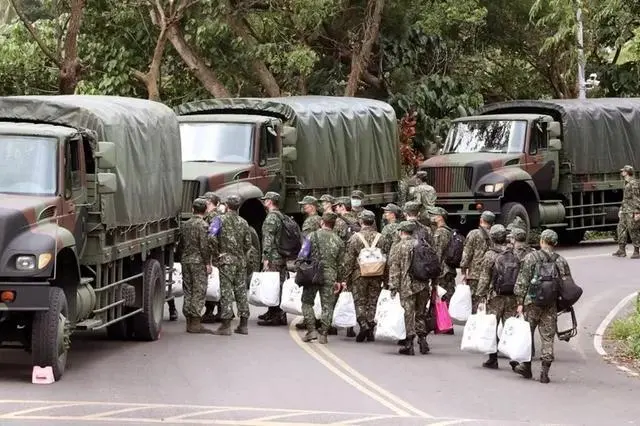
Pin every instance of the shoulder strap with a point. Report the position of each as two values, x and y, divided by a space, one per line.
361 238
376 239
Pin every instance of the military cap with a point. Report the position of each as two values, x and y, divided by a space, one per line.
519 234
498 232
627 168
357 194
438 211
392 208
199 204
488 216
233 202
517 223
328 198
271 196
412 207
329 217
407 226
345 201
211 196
367 215
308 199
549 236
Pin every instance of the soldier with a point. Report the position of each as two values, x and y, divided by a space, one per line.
530 278
492 290
327 201
272 260
213 202
357 197
196 256
414 295
365 289
411 212
406 189
346 219
518 238
441 237
310 208
629 215
390 235
425 195
475 246
231 241
328 248
213 205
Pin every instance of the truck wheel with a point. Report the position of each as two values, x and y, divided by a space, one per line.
51 333
570 238
148 324
510 211
122 330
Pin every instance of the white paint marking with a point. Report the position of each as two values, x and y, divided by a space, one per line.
597 338
358 421
112 412
587 256
33 410
197 413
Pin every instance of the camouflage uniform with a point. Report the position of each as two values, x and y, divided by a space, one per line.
311 224
475 246
543 318
326 198
357 195
390 236
412 210
231 241
210 306
447 278
414 294
365 289
406 188
627 225
425 195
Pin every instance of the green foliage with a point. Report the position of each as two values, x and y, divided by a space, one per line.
627 332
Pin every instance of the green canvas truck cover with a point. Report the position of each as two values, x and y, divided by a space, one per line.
147 139
342 141
600 135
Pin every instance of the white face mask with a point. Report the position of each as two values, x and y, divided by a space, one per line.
222 209
355 202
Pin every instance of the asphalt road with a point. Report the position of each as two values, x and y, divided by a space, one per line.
270 377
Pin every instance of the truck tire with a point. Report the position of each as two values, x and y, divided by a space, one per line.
148 324
50 334
510 211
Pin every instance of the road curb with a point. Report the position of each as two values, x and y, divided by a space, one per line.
602 328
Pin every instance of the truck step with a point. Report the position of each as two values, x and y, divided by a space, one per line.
88 324
86 280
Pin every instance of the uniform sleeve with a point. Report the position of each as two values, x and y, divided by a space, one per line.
441 242
524 277
248 244
269 230
350 256
204 244
635 197
341 272
213 232
467 251
431 196
486 271
395 268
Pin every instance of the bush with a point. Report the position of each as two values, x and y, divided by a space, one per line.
627 331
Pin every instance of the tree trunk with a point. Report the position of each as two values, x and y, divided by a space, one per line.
196 64
151 79
71 68
360 57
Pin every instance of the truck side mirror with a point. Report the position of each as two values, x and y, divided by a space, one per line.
107 183
289 154
554 130
106 155
289 136
555 145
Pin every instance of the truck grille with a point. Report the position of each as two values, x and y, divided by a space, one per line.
190 191
450 179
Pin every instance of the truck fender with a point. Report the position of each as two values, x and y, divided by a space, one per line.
244 190
508 176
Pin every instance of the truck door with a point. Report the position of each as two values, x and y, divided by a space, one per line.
542 163
74 217
270 159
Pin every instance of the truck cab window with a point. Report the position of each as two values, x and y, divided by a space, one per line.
73 163
538 139
271 144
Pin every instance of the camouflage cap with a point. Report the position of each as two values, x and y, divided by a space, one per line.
517 223
199 204
519 234
233 202
392 208
498 232
549 236
271 196
627 168
438 211
488 216
308 199
407 226
357 194
421 174
345 201
328 198
329 217
367 215
412 207
211 196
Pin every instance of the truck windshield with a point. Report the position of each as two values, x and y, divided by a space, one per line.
28 165
216 142
505 136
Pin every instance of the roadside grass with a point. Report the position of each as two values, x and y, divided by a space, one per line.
597 235
626 333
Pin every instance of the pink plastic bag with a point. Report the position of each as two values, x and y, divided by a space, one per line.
443 320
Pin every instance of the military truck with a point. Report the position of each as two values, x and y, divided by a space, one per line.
90 192
297 146
554 163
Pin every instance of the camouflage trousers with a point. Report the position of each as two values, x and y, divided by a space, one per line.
544 319
503 307
448 282
232 288
473 285
194 285
365 296
327 300
415 312
628 228
281 267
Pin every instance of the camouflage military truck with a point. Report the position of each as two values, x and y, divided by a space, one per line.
554 163
297 146
90 192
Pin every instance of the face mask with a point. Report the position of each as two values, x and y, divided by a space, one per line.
222 209
355 202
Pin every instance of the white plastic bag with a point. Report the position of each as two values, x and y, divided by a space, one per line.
264 290
384 297
213 286
460 305
291 297
391 320
317 306
480 333
500 329
176 287
344 314
441 292
515 341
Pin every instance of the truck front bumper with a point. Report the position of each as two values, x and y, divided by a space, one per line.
28 296
469 206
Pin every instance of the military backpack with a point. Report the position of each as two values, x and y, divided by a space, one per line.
505 272
290 237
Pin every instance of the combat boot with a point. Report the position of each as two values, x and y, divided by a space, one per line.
492 362
208 317
267 315
636 253
524 369
371 337
173 312
423 344
513 365
350 332
189 321
402 342
197 327
224 329
311 335
323 339
408 347
363 332
242 328
544 373
622 251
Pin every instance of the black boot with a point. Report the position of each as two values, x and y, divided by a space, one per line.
267 315
173 312
371 336
277 317
544 373
351 332
242 327
424 345
524 369
492 362
408 347
513 365
332 331
402 342
363 332
208 317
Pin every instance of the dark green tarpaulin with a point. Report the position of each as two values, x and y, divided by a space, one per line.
341 141
147 139
600 135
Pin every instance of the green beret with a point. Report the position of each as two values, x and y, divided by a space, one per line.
308 199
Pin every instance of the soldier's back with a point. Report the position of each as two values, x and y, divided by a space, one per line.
192 233
233 235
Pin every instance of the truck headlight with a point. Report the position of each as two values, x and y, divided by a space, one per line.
25 263
493 187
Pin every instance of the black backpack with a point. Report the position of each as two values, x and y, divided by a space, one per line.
505 272
568 294
352 228
425 264
290 237
453 252
309 271
547 280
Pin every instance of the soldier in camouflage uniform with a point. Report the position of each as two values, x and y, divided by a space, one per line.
406 188
365 289
475 246
357 198
390 234
441 237
543 318
196 257
414 294
328 248
425 195
272 260
231 240
213 204
412 212
502 306
327 201
310 208
629 214
518 239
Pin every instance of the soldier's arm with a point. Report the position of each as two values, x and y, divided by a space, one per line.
486 270
441 242
524 278
431 196
467 252
342 271
635 200
307 227
349 259
395 269
204 244
269 229
248 244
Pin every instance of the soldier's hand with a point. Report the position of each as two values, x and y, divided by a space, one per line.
636 216
393 292
519 309
209 269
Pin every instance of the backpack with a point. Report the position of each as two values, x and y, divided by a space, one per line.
505 272
568 294
290 237
309 271
352 228
371 260
453 252
547 280
425 264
